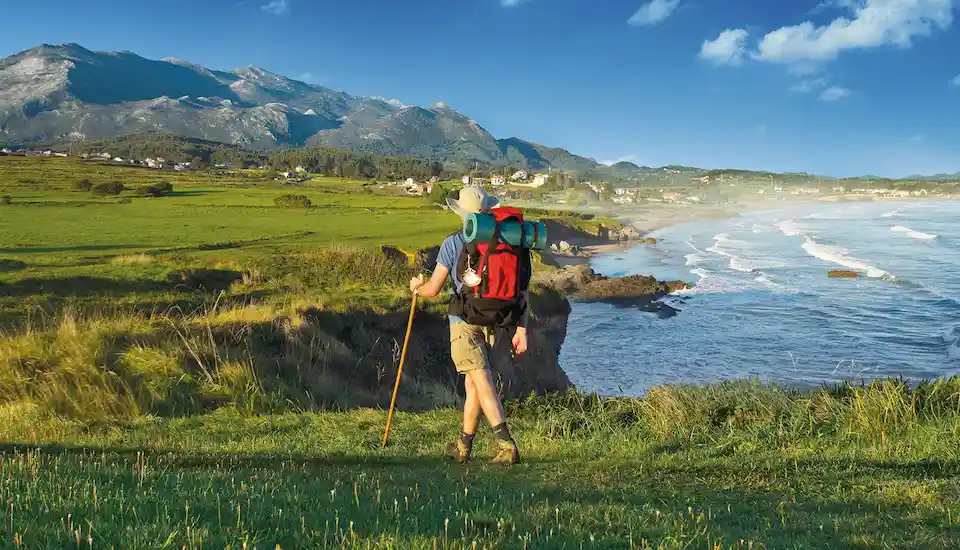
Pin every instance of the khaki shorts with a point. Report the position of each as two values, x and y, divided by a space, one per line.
469 347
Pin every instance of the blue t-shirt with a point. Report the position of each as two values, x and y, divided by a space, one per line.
447 257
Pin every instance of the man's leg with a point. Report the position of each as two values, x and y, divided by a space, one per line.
461 449
471 407
493 411
468 346
486 395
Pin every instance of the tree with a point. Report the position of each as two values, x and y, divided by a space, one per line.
199 163
83 185
438 194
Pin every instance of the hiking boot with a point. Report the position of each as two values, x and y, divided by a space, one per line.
507 454
458 452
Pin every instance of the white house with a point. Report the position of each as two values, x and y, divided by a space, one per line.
298 169
5 151
520 175
117 159
410 182
497 180
467 180
540 180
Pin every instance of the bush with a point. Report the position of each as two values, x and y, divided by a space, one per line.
83 185
5 199
111 188
11 265
155 190
292 201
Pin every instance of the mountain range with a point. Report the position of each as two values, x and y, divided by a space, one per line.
65 92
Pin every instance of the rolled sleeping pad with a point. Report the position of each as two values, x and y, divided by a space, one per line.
480 227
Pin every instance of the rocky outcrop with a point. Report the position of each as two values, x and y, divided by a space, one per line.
581 283
624 233
563 248
844 274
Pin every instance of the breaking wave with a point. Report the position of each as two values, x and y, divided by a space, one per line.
913 234
789 228
839 256
892 214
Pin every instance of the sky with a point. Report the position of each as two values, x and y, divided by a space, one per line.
833 87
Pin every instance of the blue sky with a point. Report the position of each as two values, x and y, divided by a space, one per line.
837 87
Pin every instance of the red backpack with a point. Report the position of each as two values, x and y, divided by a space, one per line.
504 270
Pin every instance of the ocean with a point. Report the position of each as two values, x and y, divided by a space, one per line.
763 306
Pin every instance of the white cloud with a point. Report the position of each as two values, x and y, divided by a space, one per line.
833 93
955 80
874 23
654 12
835 5
276 7
728 49
810 85
512 3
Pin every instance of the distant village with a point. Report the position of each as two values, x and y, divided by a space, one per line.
157 163
520 178
523 179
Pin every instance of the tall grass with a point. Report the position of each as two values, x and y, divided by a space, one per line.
680 413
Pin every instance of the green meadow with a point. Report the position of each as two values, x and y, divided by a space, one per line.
207 369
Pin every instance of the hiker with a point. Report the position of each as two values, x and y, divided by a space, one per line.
475 319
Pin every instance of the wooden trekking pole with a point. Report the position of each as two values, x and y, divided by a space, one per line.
403 357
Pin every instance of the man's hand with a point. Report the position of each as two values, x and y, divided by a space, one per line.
520 341
416 283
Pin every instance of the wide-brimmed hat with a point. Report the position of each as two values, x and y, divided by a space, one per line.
472 200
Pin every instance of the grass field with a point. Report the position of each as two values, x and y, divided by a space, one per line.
175 373
59 245
732 466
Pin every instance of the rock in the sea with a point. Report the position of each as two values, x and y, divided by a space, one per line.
637 288
650 240
844 274
582 283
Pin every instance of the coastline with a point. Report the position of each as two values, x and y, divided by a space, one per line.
649 219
